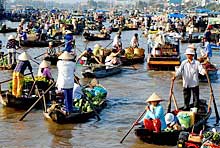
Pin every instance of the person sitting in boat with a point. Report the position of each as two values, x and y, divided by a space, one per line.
88 57
68 41
44 70
23 35
65 79
189 70
51 51
103 31
98 52
134 41
117 44
77 90
155 112
207 52
12 45
112 59
172 122
18 73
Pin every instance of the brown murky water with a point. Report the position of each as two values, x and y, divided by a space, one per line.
127 93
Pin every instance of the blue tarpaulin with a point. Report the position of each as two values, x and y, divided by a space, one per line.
202 10
176 15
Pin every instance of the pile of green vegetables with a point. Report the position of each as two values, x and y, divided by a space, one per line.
85 105
215 137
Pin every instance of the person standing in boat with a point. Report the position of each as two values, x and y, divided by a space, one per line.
68 41
112 59
98 53
134 41
154 111
18 73
117 44
44 70
189 70
12 45
65 79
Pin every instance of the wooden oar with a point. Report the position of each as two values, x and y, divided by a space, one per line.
212 98
30 59
170 96
91 104
133 126
11 79
108 44
27 112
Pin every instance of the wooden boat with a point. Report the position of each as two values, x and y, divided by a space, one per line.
167 58
171 137
29 43
8 30
130 61
194 40
7 67
96 37
100 71
24 101
81 113
52 59
128 27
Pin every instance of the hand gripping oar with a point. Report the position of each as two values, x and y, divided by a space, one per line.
90 103
25 114
212 98
170 96
133 126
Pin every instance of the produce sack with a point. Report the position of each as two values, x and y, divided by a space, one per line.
184 119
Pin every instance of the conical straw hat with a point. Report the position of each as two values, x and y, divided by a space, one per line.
154 97
44 64
24 56
66 56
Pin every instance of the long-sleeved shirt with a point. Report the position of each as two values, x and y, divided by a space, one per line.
22 65
45 72
68 42
155 113
190 73
134 42
65 77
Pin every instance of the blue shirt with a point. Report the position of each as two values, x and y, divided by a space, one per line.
156 113
68 42
208 50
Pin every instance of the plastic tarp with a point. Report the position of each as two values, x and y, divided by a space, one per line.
202 10
213 20
176 15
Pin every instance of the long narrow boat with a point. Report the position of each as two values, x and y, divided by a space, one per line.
194 40
82 113
171 137
24 101
101 71
96 37
8 30
130 61
39 43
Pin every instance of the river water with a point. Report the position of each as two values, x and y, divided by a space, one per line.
127 93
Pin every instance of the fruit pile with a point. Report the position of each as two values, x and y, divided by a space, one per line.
215 137
95 99
3 61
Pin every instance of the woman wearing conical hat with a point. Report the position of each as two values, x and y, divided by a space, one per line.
65 79
44 70
18 73
154 111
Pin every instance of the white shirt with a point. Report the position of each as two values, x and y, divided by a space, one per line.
134 42
65 77
77 91
190 73
116 41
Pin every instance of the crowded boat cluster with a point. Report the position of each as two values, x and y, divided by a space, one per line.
66 100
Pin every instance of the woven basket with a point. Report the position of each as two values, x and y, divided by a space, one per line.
129 50
139 51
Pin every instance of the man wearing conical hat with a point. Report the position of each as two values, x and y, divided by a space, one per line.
18 73
12 45
65 79
189 70
68 41
154 111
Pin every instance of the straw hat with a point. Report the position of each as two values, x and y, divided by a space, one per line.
97 46
66 56
24 56
191 46
190 51
154 97
11 37
68 32
44 64
169 117
50 43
